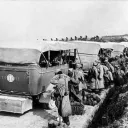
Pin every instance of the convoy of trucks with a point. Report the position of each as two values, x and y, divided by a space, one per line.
26 69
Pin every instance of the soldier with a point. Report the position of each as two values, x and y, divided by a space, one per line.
61 90
108 77
73 86
108 65
80 74
77 80
100 76
93 77
121 60
119 74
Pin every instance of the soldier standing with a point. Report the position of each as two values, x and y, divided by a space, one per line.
61 90
100 76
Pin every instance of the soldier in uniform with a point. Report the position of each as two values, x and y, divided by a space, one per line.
76 81
100 76
108 65
93 77
60 81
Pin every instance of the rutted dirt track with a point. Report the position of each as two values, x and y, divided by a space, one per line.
36 118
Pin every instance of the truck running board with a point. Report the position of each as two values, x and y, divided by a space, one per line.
15 104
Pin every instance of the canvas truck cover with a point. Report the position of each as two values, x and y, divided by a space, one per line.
117 48
20 52
110 45
106 45
88 52
102 45
87 47
29 52
124 43
20 56
59 45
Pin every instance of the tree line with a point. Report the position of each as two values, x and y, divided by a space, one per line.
95 38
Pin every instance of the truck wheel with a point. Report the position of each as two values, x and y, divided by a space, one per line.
51 104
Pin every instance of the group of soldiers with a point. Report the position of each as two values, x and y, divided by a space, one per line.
68 85
74 85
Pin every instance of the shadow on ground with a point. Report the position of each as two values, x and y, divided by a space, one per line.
10 114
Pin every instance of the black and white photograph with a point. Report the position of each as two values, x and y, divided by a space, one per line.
64 64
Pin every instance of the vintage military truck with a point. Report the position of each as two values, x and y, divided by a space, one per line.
26 69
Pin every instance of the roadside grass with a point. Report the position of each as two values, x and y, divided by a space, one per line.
115 110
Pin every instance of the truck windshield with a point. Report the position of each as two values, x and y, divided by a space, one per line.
54 58
43 61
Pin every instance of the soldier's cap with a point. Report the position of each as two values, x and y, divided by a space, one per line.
106 59
95 63
117 66
58 71
70 69
78 65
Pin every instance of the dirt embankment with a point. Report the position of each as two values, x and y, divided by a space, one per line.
115 115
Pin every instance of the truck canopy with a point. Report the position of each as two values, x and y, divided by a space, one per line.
117 48
87 53
124 43
29 52
106 45
87 47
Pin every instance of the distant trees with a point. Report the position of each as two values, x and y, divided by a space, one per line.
56 39
62 39
116 38
82 38
66 38
75 38
44 39
95 38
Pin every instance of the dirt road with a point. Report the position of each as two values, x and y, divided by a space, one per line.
36 118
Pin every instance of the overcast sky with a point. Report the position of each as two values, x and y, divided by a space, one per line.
50 19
